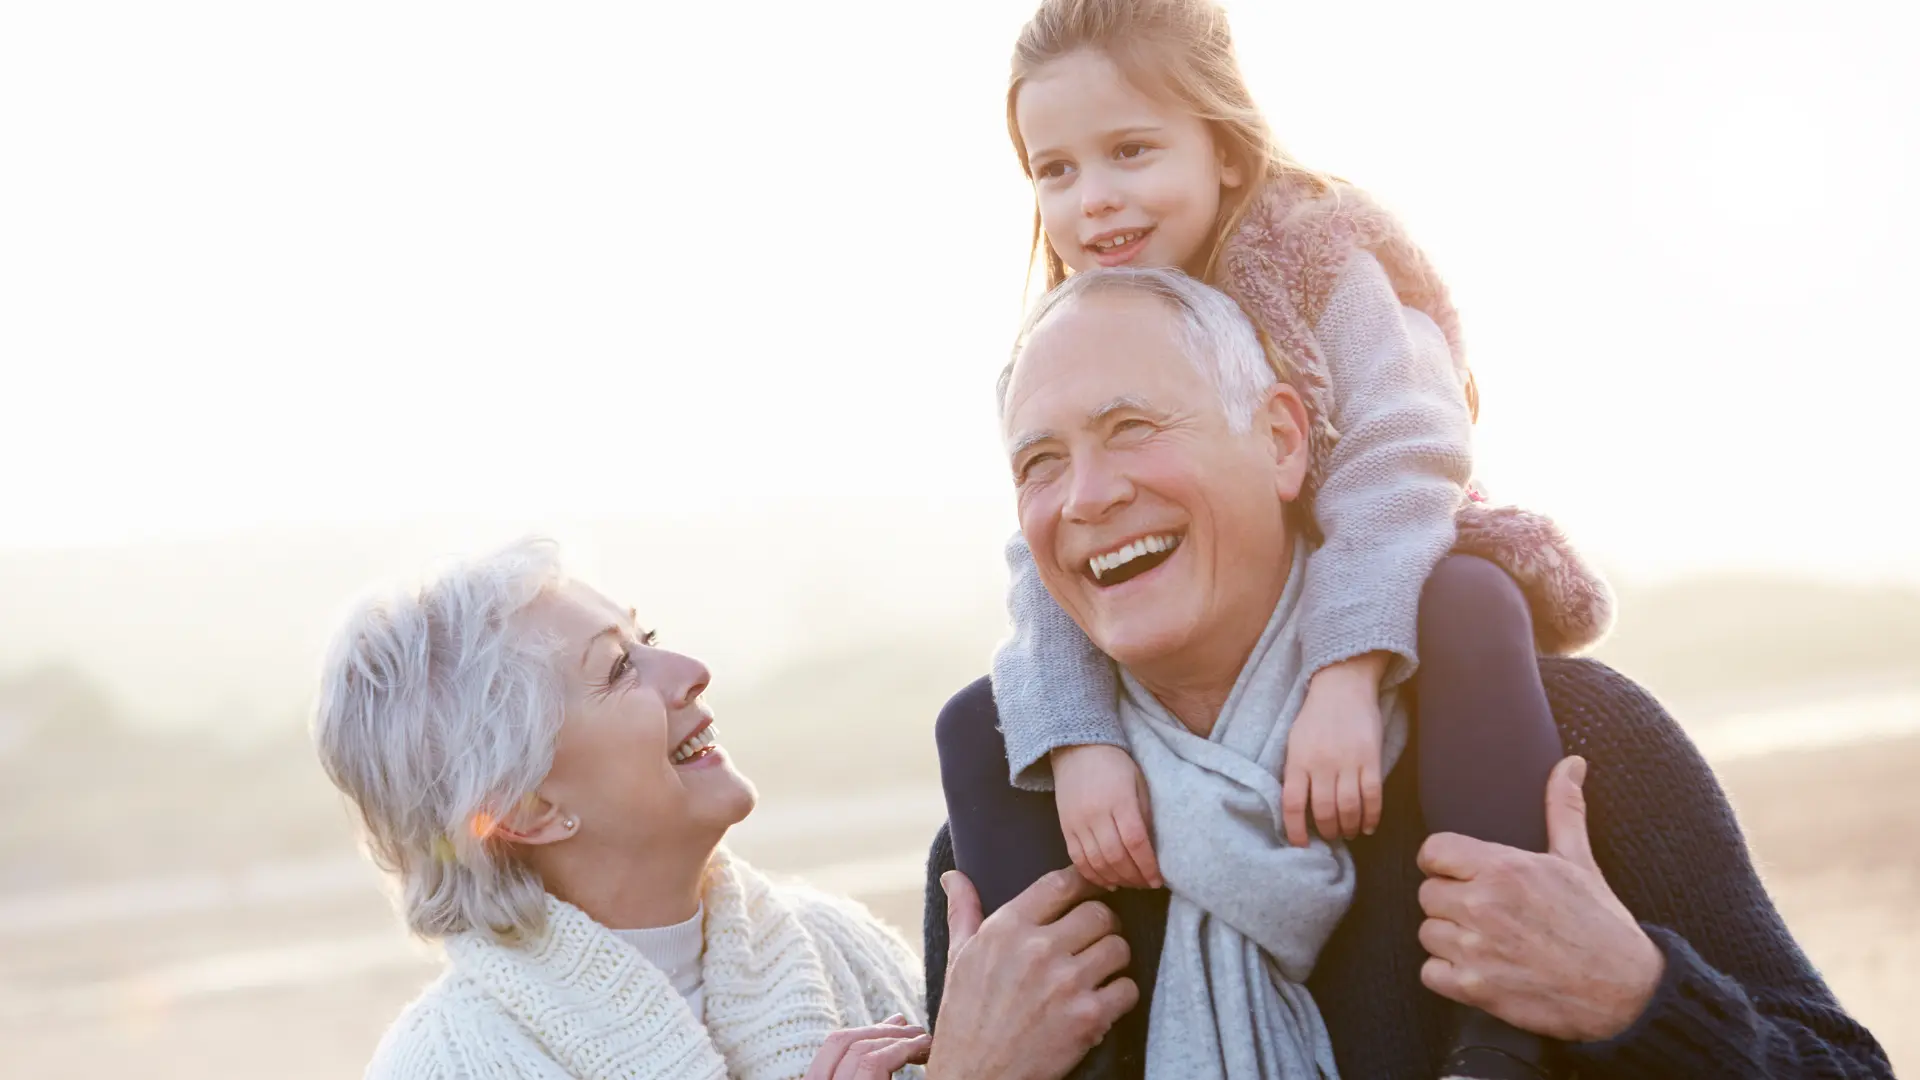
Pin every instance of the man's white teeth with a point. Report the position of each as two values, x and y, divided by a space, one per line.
1102 565
1116 241
695 743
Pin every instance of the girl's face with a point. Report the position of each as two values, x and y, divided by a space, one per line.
1122 179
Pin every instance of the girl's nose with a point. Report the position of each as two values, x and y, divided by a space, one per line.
1098 197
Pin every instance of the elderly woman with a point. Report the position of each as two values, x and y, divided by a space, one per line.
546 787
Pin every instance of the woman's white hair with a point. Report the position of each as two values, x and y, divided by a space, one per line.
438 714
1214 333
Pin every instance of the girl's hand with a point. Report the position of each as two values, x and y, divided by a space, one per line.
871 1053
1104 814
1333 753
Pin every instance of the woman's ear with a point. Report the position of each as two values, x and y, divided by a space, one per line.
536 821
1283 418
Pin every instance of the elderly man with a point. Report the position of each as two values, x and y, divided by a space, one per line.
1641 938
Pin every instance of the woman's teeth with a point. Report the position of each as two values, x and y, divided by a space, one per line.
696 744
1116 241
1114 560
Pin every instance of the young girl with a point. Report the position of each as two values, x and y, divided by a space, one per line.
1133 122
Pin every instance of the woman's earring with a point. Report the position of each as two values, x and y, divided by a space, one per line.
568 824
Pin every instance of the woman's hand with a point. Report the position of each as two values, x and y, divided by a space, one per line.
1104 815
1333 752
871 1053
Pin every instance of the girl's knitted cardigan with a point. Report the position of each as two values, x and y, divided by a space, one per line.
783 967
1281 264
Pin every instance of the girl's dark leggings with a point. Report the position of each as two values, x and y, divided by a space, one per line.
1484 740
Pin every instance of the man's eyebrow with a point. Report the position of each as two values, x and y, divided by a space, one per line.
1027 442
1123 403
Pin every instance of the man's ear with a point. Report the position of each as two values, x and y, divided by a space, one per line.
1283 418
536 821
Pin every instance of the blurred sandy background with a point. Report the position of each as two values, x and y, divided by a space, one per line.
294 298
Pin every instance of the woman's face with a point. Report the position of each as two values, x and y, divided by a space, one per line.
635 767
1121 179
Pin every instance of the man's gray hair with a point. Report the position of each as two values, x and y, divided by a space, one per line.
1213 332
438 714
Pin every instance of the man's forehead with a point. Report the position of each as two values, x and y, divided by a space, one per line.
1080 361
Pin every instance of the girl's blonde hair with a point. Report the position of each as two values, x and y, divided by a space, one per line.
1177 49
1180 50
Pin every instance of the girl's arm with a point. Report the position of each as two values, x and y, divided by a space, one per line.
1394 479
1052 687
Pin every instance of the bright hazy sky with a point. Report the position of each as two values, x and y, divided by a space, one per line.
281 264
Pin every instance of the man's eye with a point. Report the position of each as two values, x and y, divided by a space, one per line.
1036 465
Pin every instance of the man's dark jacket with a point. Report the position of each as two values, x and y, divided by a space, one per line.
1738 999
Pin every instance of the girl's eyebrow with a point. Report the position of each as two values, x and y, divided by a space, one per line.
1116 134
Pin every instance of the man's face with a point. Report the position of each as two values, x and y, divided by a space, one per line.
1159 529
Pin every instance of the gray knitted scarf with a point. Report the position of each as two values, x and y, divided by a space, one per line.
1250 912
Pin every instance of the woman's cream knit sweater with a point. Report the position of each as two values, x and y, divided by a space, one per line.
784 966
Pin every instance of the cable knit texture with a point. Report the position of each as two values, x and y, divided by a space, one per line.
1739 1000
784 967
1363 328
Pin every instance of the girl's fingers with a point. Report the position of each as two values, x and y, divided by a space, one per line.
1293 804
1371 797
1113 853
1349 803
1078 854
1139 841
1326 809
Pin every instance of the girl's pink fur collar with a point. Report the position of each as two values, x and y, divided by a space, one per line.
1281 264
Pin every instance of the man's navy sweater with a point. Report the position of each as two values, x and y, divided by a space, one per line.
1738 999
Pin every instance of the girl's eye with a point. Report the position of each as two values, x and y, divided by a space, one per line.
621 665
1051 170
650 638
1131 150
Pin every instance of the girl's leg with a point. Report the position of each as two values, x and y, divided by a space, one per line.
1004 838
1486 742
1487 737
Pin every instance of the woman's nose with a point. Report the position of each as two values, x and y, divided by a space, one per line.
689 680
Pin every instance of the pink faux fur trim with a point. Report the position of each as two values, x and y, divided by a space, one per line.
1281 264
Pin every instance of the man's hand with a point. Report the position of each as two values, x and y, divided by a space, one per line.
871 1053
1333 753
1539 941
1104 814
1027 992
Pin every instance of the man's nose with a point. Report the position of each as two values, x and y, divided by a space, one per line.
1095 491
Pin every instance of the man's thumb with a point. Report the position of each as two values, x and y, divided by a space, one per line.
1567 813
963 912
